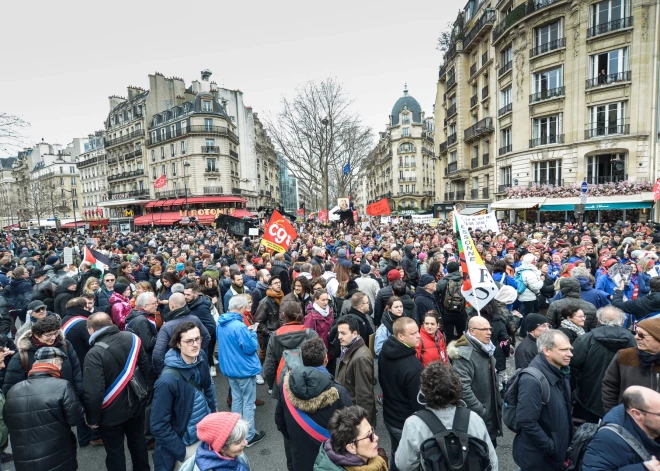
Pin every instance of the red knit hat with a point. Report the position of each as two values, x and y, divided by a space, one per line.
215 428
393 275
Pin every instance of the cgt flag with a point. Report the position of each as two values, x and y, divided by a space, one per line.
379 208
478 286
279 233
160 182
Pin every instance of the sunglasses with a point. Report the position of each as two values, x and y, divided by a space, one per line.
371 437
639 334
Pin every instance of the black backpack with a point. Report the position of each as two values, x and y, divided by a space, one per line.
453 449
510 395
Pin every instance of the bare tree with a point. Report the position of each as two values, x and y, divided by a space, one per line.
12 129
358 143
317 130
42 198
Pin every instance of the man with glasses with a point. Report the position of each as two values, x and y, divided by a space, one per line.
103 295
472 359
636 366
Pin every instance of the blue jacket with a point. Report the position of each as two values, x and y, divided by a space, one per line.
250 282
237 347
172 407
605 283
607 451
201 308
142 274
595 296
643 284
209 460
173 319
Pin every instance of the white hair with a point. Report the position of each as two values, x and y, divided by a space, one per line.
611 316
143 299
237 303
238 433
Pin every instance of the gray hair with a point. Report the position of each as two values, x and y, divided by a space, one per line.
611 316
143 299
177 288
394 254
547 339
237 303
316 251
238 434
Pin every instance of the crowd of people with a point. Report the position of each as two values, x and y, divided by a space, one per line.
348 327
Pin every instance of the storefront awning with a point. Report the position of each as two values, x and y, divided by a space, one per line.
160 203
517 203
71 225
151 204
601 203
243 213
179 202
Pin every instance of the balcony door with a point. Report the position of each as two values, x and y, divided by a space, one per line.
606 119
606 168
612 62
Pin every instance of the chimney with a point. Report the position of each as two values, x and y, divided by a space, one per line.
205 86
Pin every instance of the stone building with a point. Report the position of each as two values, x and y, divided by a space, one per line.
92 167
288 186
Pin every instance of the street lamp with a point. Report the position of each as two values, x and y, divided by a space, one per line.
186 164
73 206
325 122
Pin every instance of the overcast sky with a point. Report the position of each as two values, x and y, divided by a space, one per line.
61 60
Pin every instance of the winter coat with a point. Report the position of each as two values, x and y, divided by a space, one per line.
571 294
368 286
441 290
344 261
40 412
328 460
607 451
409 264
476 369
424 302
384 295
347 305
545 430
626 370
643 284
281 270
71 369
500 338
102 301
430 349
173 407
173 319
250 282
258 293
268 315
322 325
640 307
356 373
201 308
592 354
63 296
531 277
293 298
383 332
606 284
594 296
102 368
314 392
140 273
525 352
121 308
237 347
139 323
287 337
206 459
399 373
364 327
77 333
415 432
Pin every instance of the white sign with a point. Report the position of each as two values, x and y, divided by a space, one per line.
422 218
125 228
484 222
253 231
385 219
68 256
365 224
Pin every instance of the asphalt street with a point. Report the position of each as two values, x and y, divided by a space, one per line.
268 455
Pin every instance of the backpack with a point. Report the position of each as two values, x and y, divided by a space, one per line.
519 280
584 434
454 300
453 449
510 395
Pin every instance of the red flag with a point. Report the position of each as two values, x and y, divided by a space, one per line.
656 190
379 208
300 212
323 216
160 182
279 233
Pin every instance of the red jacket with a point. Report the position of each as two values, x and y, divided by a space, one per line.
322 325
431 349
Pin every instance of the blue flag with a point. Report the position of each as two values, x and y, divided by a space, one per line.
347 168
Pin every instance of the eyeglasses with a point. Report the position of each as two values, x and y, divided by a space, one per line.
640 335
40 309
647 412
51 335
371 437
191 342
108 280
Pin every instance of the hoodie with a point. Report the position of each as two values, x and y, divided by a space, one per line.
570 292
409 264
322 325
63 295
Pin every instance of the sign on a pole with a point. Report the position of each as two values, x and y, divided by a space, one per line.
583 199
584 187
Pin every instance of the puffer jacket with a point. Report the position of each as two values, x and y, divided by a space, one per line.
314 392
121 308
102 301
592 354
287 337
40 412
322 325
430 349
531 277
177 406
208 460
625 370
571 294
237 347
476 369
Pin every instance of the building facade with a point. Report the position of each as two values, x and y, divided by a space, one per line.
92 166
288 186
562 97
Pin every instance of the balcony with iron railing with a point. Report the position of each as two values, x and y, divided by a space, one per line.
547 47
485 159
408 179
211 171
196 129
210 150
474 193
611 26
451 111
407 164
473 69
505 109
88 162
452 139
484 59
451 52
443 147
548 94
460 195
452 167
486 21
478 129
442 71
485 194
233 153
609 79
125 138
521 11
546 140
503 188
474 162
599 180
546 181
505 149
451 81
474 99
124 175
132 155
505 68
213 190
172 193
599 130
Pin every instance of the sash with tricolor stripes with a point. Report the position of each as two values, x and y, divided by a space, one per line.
313 429
71 322
125 376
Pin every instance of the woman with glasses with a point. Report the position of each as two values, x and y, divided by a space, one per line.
184 394
572 323
353 444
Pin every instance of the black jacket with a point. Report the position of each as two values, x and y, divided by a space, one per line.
424 302
138 323
571 293
201 308
592 354
399 371
172 320
440 291
39 413
545 430
314 392
62 296
409 265
77 333
101 370
281 270
268 315
384 294
640 307
525 352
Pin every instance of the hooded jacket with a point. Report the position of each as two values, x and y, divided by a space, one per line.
281 270
476 369
594 296
287 337
201 308
592 354
314 392
63 295
409 264
571 294
322 325
237 347
424 302
121 308
399 373
531 277
172 319
625 370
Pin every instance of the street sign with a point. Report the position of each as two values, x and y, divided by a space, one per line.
51 219
584 188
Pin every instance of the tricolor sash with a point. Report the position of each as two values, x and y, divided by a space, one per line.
125 376
312 429
71 322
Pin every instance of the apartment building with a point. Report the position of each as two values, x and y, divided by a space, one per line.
92 167
288 186
569 96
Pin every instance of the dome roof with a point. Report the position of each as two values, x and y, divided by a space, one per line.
409 103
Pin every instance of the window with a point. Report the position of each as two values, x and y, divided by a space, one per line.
606 168
162 152
607 119
184 124
153 136
61 170
153 155
208 124
405 132
173 130
547 82
210 165
507 140
406 119
174 169
412 188
506 176
610 66
172 150
452 156
207 106
547 173
163 170
184 147
73 181
162 134
61 181
607 16
407 147
153 173
505 97
546 38
545 130
506 56
72 169
407 188
400 188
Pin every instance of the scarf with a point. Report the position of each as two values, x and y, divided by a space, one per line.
345 349
277 297
38 345
238 289
376 463
47 368
489 348
567 324
324 312
648 360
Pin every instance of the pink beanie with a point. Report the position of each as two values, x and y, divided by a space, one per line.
215 428
422 256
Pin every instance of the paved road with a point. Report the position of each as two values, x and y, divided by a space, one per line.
268 455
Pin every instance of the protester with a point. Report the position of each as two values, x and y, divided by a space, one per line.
528 349
431 346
